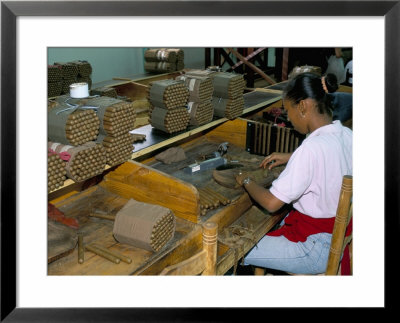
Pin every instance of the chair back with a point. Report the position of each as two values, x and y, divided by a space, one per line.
343 215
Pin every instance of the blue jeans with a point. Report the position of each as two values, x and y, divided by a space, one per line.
309 257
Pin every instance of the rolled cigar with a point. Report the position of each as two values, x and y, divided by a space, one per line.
114 253
103 254
207 200
214 200
80 249
222 198
103 216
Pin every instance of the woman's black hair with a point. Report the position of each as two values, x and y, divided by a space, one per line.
308 86
331 83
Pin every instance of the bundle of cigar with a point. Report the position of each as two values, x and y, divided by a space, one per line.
117 117
69 75
200 94
160 67
167 94
266 138
72 126
144 225
72 72
69 70
54 89
228 108
200 88
56 172
104 91
200 112
210 199
54 73
84 68
228 85
118 149
163 60
171 120
160 55
82 162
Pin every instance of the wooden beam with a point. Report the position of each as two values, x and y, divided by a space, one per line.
253 67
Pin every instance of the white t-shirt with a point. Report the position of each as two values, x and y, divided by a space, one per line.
313 176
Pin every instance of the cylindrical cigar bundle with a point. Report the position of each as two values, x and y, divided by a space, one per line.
82 162
84 67
159 67
200 88
169 121
168 94
72 126
117 117
164 60
200 112
228 108
118 149
56 172
228 85
144 225
54 88
69 70
160 55
54 73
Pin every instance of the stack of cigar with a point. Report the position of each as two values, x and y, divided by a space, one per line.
163 60
118 149
200 93
228 108
81 162
72 126
228 99
54 80
168 99
69 75
56 172
104 91
210 199
144 225
73 72
117 119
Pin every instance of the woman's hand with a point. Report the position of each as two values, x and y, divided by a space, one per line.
275 159
240 177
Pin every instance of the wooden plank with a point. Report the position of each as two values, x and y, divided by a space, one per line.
233 132
145 184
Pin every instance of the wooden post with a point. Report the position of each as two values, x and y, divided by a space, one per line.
340 225
210 230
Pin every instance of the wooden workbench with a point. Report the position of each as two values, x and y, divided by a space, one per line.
241 223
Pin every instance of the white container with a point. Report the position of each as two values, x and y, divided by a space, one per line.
79 90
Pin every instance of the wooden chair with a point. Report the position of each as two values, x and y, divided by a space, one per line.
204 262
339 242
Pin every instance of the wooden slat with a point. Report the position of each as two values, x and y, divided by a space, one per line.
233 132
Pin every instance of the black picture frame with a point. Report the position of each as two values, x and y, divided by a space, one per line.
10 10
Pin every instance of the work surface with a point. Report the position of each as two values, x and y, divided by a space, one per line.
241 224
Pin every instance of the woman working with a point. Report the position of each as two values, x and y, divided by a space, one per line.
311 181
